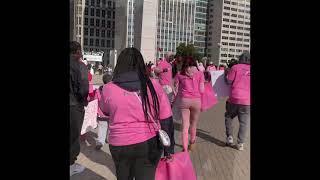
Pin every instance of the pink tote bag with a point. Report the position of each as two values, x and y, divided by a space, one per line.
178 168
208 98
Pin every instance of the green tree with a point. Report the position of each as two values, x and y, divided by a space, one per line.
188 50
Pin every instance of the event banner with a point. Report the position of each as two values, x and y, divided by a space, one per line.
221 88
90 117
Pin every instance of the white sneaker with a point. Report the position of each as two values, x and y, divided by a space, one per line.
76 168
229 140
240 146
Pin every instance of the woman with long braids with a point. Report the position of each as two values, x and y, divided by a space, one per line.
133 141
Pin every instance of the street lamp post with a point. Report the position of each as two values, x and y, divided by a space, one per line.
219 46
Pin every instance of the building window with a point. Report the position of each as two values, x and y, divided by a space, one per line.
240 16
232 32
227 2
239 33
98 12
246 34
239 45
85 41
232 38
86 11
102 43
87 2
232 50
92 2
103 13
248 6
241 28
232 44
92 11
233 21
91 32
226 7
224 31
114 5
233 27
80 31
225 25
108 33
86 31
239 39
224 55
241 10
114 15
108 24
109 14
112 34
224 43
233 15
103 22
103 33
108 43
245 45
226 14
246 40
103 2
242 5
224 37
97 32
91 42
86 21
97 22
234 9
112 43
97 42
98 3
247 23
234 3
240 22
109 4
113 24
225 20
92 22
247 29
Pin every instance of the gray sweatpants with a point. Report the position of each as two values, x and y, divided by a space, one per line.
243 113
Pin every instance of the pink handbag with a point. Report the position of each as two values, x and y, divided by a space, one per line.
178 168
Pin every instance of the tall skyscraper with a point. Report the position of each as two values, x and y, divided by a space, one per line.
76 20
228 29
181 21
99 25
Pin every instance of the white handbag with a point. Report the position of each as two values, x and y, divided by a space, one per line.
163 136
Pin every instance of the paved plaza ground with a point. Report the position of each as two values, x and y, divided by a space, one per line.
212 160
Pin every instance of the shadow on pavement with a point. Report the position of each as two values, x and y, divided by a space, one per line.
202 134
100 156
87 174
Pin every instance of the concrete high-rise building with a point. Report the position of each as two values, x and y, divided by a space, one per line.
136 26
181 21
76 20
228 29
98 27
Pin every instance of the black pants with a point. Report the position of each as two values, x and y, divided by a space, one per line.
243 113
168 127
137 161
76 120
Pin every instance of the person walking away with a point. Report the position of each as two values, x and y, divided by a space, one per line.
164 71
78 93
189 85
134 102
238 103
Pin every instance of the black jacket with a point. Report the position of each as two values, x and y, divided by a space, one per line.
79 84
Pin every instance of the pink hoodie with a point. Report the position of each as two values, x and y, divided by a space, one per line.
127 123
239 74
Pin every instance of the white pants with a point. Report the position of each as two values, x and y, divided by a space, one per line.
102 132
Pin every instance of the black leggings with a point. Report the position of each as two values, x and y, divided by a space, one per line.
137 161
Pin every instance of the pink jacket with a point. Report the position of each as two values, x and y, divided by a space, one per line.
239 74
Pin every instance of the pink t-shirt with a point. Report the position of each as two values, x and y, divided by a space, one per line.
240 88
127 123
98 97
165 78
189 87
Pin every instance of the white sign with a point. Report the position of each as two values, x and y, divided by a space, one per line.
221 88
90 117
89 57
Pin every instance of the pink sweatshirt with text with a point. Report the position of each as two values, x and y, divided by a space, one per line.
239 74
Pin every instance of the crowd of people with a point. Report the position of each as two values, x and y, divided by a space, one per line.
136 101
